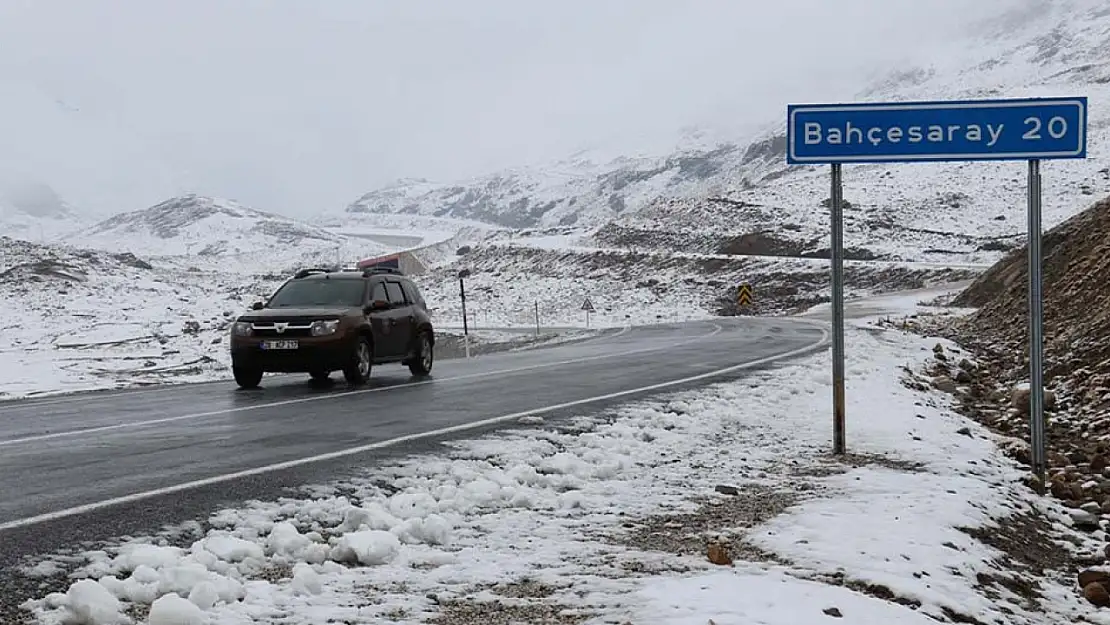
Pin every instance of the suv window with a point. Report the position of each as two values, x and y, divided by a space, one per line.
396 296
413 293
319 292
378 293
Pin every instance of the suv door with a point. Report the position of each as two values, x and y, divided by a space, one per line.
401 317
384 325
412 292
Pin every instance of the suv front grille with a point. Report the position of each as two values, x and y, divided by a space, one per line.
293 330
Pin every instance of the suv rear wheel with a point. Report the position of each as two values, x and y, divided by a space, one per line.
358 370
247 377
421 363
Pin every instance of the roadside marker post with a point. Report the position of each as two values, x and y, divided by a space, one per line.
744 294
465 273
1031 129
588 306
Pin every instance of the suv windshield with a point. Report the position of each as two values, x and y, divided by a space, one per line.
319 292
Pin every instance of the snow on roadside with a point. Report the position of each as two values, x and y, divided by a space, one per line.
83 320
648 287
592 520
118 327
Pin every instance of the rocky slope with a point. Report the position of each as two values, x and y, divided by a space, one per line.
992 386
1076 299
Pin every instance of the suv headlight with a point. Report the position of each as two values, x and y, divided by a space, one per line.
324 328
241 328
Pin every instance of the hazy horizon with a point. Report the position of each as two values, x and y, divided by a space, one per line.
297 108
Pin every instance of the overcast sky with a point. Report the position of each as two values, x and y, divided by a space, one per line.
301 106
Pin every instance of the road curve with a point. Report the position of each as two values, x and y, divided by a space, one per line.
93 466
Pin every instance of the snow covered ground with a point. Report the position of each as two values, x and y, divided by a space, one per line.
717 505
83 319
508 281
88 319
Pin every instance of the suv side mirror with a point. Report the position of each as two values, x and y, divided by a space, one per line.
257 306
378 304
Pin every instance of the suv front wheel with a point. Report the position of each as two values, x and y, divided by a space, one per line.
421 363
247 377
358 370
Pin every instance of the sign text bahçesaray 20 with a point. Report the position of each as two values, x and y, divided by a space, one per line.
1042 128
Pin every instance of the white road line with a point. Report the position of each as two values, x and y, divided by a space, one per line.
270 468
81 396
288 402
593 339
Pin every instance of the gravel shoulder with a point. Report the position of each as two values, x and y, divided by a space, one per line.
988 390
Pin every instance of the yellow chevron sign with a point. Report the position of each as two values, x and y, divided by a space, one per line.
744 294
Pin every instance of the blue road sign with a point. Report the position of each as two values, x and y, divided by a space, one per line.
968 130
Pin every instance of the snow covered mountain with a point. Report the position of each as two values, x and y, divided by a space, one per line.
35 211
654 237
576 192
218 230
705 196
194 224
959 212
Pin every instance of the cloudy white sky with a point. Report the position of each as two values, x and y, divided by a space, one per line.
301 106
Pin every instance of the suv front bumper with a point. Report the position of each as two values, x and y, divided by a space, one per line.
311 354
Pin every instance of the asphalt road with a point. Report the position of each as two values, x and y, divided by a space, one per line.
98 465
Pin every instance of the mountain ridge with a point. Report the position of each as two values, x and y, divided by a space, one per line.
205 226
1035 49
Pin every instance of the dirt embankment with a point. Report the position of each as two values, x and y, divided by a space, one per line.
1077 365
1076 301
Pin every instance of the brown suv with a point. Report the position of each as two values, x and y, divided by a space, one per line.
321 321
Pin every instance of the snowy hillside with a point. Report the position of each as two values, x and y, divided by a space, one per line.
194 224
35 212
575 192
645 238
510 280
21 225
959 212
435 238
699 198
213 232
84 319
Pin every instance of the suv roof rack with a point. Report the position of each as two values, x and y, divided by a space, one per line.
369 271
307 272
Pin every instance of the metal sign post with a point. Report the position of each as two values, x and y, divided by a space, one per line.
588 306
1032 129
1036 327
836 259
537 317
462 297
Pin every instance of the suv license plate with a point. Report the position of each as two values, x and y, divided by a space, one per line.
286 344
